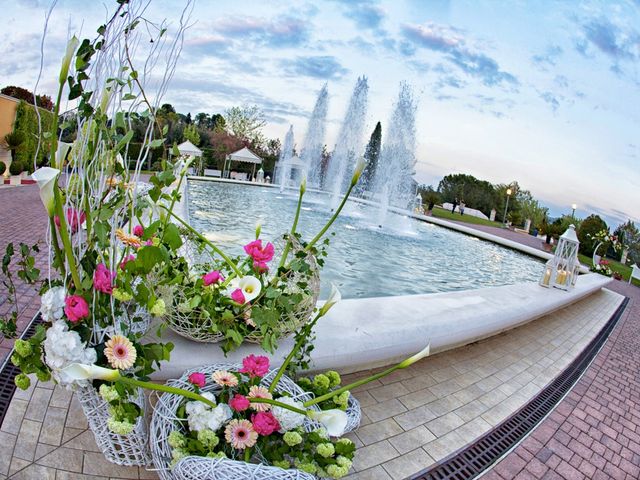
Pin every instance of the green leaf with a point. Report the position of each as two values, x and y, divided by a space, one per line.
172 236
156 143
129 96
124 140
149 256
120 120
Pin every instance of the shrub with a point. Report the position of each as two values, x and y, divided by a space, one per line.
588 228
3 168
16 167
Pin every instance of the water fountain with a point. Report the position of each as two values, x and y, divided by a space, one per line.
393 182
311 153
349 145
284 172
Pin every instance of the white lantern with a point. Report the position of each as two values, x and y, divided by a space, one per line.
562 270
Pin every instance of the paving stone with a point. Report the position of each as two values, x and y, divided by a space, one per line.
43 449
379 431
61 397
443 446
62 475
85 441
96 464
375 473
408 464
383 410
25 447
53 426
34 471
372 455
38 404
408 441
13 417
7 441
76 418
64 459
388 392
17 464
444 424
70 433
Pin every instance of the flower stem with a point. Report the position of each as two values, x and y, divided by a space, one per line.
66 241
56 246
278 404
167 389
205 240
293 351
332 219
294 226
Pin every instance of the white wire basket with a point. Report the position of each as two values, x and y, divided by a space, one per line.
164 421
205 330
129 450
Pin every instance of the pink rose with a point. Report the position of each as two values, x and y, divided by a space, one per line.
259 254
255 366
212 277
74 217
103 279
239 403
127 259
237 296
265 423
76 308
138 230
198 379
149 243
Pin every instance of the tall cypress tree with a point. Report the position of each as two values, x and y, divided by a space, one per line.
371 155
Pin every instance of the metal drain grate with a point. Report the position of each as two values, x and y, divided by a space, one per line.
476 457
9 371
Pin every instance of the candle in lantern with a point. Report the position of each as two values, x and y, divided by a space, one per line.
547 276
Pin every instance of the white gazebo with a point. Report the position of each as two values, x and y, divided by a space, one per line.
243 155
188 149
292 167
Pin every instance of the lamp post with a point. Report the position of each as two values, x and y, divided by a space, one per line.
504 217
573 207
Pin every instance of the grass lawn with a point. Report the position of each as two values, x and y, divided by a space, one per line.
440 212
614 265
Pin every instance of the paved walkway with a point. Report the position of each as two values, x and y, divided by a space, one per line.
411 419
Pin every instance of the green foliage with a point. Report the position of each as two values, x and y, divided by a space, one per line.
43 101
429 195
190 133
246 122
588 229
478 194
3 168
16 167
27 125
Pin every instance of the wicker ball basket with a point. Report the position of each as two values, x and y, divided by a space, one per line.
129 450
203 330
164 421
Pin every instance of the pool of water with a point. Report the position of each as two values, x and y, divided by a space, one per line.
364 260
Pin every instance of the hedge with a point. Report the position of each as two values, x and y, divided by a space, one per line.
27 123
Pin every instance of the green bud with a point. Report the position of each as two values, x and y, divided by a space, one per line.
22 381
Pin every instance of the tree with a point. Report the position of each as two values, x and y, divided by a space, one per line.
188 120
190 133
217 123
531 209
371 156
202 120
246 122
12 142
429 195
43 101
629 236
588 228
475 193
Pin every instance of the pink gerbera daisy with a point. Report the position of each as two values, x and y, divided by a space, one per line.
224 378
258 391
120 352
240 434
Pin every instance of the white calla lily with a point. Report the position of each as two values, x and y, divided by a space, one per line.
418 356
250 287
66 60
47 178
334 420
360 164
334 297
62 152
79 371
303 185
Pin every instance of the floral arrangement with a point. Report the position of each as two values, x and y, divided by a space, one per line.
261 297
603 268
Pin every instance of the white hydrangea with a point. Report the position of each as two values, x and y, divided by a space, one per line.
63 347
52 304
201 416
287 419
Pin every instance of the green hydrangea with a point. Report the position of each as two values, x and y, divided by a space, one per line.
305 383
23 348
321 381
43 375
120 428
345 441
178 454
281 464
334 378
22 381
158 309
176 439
108 393
15 359
322 432
208 438
116 411
122 295
292 438
335 471
342 399
310 467
321 472
326 450
344 462
216 455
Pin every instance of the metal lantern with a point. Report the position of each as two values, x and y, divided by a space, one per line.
562 270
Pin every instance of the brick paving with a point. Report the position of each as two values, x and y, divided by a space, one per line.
594 433
22 219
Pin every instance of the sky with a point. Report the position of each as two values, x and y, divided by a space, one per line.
544 93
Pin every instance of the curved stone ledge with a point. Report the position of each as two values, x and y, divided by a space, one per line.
360 334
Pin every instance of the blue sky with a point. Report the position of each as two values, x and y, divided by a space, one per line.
545 93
